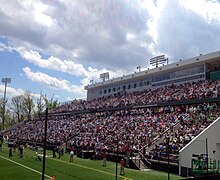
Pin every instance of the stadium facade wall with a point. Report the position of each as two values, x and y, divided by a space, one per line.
198 146
189 70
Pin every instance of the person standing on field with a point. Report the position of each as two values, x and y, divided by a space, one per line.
10 152
122 171
71 156
104 156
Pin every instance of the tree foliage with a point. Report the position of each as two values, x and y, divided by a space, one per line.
51 104
40 105
25 106
17 106
28 104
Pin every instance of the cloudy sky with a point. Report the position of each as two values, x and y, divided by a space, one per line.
57 47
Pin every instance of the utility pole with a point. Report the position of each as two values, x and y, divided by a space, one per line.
4 80
168 157
45 140
116 175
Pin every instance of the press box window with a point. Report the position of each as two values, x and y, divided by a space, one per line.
141 84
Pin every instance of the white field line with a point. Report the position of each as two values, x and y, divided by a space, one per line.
47 156
24 166
93 169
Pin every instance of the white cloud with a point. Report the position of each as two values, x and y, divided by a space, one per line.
209 10
39 9
53 63
184 32
52 82
94 32
130 36
111 34
11 91
85 38
4 47
66 66
14 92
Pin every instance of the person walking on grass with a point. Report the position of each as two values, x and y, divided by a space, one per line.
54 152
122 171
1 142
71 156
10 152
59 152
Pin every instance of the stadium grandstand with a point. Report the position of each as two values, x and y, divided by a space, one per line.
165 118
198 68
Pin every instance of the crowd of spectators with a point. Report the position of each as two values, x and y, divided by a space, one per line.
197 119
133 129
185 91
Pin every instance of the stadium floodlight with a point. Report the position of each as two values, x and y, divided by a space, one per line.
155 61
91 81
139 68
6 81
104 76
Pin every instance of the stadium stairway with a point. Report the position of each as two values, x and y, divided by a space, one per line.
146 149
141 162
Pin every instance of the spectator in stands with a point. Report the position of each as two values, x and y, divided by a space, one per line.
141 126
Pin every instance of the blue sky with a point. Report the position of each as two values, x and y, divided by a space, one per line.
57 47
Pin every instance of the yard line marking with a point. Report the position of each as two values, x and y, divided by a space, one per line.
123 177
24 166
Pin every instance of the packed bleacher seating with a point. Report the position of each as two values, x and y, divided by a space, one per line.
198 118
133 128
185 91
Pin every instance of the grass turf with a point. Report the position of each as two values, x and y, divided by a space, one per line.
28 167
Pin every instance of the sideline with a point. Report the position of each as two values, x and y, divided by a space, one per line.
93 169
24 166
85 167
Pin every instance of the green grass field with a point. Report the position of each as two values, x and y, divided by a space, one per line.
28 168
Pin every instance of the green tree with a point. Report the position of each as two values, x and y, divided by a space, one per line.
51 104
40 105
28 104
16 106
7 115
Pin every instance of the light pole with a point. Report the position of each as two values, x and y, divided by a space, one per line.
6 81
116 175
45 141
168 157
139 68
